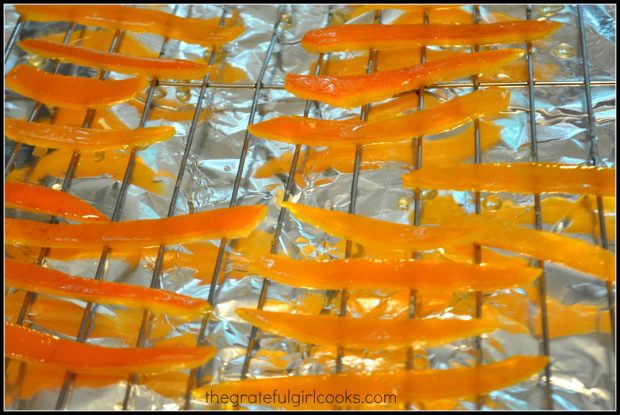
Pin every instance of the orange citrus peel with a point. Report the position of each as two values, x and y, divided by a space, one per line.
444 117
30 277
231 223
83 139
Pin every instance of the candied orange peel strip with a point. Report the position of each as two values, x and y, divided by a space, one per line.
65 317
92 164
83 139
574 253
43 280
140 20
117 62
444 117
390 60
516 177
379 233
579 216
371 274
41 377
231 223
352 37
447 150
32 346
41 199
22 253
366 333
356 90
100 39
408 386
70 91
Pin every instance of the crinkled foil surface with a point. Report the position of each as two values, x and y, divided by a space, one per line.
583 375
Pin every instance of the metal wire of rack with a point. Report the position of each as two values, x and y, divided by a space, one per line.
259 86
595 160
538 215
193 378
289 186
417 149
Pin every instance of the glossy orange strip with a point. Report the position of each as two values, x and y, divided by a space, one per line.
112 163
352 37
444 117
447 150
563 319
408 386
154 67
43 280
29 254
579 216
101 39
390 60
70 91
140 20
231 223
41 199
357 90
371 274
379 233
516 177
32 346
41 377
65 317
574 253
366 333
83 139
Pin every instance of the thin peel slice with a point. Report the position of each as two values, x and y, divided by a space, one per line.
517 178
374 232
41 377
442 151
578 216
444 117
571 252
408 386
372 274
70 91
43 200
65 317
112 164
161 68
83 139
139 20
352 37
366 333
32 346
43 280
231 223
574 253
357 90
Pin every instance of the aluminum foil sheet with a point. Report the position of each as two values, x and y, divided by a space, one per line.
583 374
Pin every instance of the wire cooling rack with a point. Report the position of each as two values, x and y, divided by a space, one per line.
256 89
